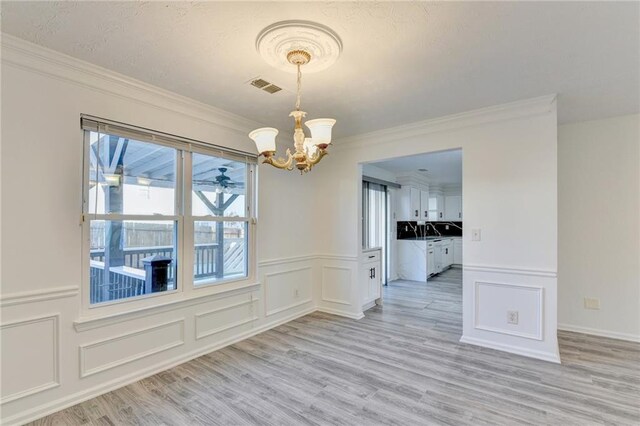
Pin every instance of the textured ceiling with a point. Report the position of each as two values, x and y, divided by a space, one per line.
442 167
402 61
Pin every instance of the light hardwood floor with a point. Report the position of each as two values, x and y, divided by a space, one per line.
402 364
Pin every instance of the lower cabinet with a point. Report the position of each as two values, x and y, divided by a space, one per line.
457 251
371 278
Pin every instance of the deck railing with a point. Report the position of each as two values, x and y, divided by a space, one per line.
129 280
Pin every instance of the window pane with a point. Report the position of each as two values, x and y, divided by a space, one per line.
131 258
130 177
219 186
220 251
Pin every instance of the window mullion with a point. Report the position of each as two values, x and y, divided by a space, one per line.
188 244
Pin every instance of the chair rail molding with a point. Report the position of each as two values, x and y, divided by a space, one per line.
38 295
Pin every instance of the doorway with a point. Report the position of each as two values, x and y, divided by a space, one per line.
375 220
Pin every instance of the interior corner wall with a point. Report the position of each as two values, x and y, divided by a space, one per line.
599 226
509 193
48 361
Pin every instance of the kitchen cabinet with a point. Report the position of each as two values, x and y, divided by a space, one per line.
424 205
447 253
371 278
453 208
437 257
457 251
412 204
436 208
431 259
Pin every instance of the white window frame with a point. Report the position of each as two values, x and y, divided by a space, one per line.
186 288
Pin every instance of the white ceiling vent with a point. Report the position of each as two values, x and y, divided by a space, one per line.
265 85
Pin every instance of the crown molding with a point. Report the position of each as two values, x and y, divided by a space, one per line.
32 57
508 111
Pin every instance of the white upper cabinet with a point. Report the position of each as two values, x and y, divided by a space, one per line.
424 205
436 208
409 204
453 208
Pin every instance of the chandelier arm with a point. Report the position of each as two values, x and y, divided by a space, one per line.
281 163
315 159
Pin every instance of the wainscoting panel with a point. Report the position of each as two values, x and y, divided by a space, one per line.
235 313
491 292
38 340
287 289
337 284
526 300
115 351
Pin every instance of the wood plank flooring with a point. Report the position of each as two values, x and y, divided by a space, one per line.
400 365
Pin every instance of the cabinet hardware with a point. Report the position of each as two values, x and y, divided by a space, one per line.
426 213
441 215
374 273
416 213
459 215
371 257
370 273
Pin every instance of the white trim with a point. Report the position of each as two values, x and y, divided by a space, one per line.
38 295
56 357
600 333
368 306
282 260
83 348
545 356
340 313
198 315
540 325
68 401
343 257
502 112
89 323
32 57
509 270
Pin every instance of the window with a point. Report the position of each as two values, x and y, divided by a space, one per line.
162 214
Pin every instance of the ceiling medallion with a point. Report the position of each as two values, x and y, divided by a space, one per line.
290 45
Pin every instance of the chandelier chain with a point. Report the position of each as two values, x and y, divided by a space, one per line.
299 88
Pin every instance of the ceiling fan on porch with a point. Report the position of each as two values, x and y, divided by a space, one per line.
224 183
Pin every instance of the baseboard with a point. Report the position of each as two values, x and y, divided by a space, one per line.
340 313
545 356
68 401
368 306
600 333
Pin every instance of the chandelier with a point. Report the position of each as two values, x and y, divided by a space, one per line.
298 42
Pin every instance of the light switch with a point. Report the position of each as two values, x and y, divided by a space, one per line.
475 235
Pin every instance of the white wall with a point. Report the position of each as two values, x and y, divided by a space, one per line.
50 359
599 226
509 192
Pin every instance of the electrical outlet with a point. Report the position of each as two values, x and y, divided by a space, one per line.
591 303
512 317
475 235
446 227
296 293
406 228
